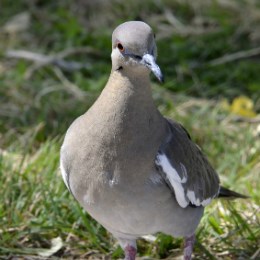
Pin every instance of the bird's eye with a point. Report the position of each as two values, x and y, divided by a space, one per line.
120 47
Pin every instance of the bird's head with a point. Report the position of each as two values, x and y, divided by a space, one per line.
134 49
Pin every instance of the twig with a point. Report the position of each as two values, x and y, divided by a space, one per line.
174 21
235 56
71 51
256 254
175 26
71 87
27 55
59 63
253 120
47 90
36 66
239 119
41 60
12 229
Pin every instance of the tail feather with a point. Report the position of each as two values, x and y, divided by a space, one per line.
229 194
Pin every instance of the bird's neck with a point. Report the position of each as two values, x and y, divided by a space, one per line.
126 106
130 84
124 93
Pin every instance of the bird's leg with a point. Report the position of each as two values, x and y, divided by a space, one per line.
130 252
129 247
188 247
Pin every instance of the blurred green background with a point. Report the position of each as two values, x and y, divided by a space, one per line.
55 60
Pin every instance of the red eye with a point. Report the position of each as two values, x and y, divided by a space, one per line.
120 47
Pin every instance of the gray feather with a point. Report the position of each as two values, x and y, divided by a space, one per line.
180 150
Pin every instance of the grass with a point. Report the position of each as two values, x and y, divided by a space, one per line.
36 211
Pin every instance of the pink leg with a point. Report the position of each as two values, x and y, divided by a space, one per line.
130 252
188 247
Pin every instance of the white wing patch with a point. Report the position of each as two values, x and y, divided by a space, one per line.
176 182
191 196
63 173
206 202
174 178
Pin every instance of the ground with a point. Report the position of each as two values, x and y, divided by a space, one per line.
209 53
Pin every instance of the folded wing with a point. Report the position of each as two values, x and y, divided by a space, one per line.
186 169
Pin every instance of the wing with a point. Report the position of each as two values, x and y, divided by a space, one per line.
185 168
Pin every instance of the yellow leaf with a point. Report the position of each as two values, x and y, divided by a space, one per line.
243 106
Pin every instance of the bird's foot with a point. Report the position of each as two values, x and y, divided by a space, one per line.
188 247
130 252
